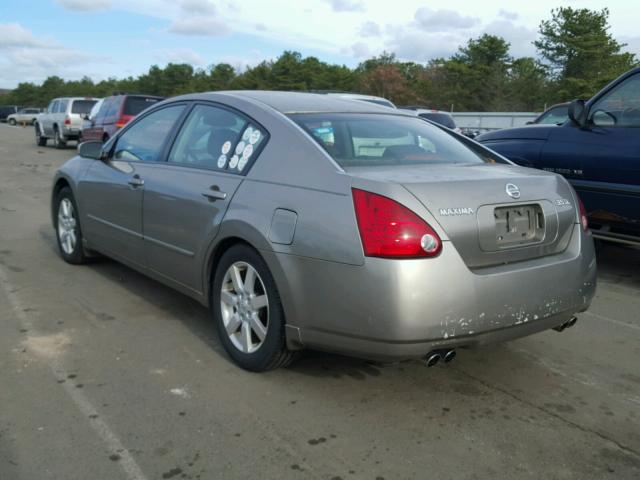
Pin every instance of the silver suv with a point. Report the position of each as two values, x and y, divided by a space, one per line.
62 120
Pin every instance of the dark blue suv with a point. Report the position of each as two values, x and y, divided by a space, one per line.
597 150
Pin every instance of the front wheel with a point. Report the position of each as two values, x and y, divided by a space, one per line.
248 312
12 122
67 224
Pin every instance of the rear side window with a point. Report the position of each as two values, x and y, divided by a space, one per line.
82 107
62 106
145 139
440 118
366 140
135 105
218 139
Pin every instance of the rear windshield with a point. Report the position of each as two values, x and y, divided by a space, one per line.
441 118
366 140
134 105
82 106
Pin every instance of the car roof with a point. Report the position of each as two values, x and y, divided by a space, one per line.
300 102
418 111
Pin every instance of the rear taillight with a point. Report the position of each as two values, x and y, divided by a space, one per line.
583 215
390 230
67 121
123 120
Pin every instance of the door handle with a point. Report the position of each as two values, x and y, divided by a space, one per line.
214 193
136 181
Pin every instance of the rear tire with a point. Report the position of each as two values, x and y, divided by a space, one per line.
57 139
248 312
40 140
12 122
67 226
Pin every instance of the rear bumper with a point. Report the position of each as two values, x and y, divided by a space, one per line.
388 309
71 133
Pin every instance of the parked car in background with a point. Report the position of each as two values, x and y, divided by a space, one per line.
62 121
362 98
442 118
6 110
311 221
87 120
597 150
114 113
555 115
24 115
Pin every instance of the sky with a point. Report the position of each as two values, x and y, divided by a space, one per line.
120 38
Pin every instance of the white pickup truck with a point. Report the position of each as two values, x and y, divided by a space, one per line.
62 120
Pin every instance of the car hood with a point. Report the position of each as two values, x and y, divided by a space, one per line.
531 132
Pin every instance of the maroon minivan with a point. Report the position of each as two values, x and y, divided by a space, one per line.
116 111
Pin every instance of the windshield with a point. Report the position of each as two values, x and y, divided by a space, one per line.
82 106
554 116
134 105
441 118
355 140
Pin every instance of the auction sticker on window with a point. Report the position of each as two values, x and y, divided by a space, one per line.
248 150
226 146
254 137
240 148
242 163
233 163
222 161
247 134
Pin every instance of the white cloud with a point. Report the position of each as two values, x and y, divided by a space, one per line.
370 29
346 5
85 5
183 55
15 35
423 46
27 58
198 6
358 50
508 15
203 26
443 20
521 38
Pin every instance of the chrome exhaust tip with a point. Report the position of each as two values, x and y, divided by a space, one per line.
431 359
449 355
572 322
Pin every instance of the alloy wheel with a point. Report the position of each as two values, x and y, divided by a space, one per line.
245 307
67 226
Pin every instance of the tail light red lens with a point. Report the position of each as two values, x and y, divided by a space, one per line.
67 121
123 120
390 230
583 215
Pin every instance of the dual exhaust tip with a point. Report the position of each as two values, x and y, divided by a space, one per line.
567 324
435 356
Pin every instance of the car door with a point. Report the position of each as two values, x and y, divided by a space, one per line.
46 122
186 198
111 192
602 160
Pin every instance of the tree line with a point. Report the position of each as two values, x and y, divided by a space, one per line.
577 55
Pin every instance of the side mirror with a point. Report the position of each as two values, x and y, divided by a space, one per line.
90 150
578 113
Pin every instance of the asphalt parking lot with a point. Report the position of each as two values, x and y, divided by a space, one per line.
105 374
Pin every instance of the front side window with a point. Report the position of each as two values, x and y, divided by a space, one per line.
620 107
144 140
62 106
366 140
218 139
52 106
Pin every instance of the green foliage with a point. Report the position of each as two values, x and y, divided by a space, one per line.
580 52
580 57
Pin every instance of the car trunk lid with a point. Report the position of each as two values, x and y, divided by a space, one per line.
492 213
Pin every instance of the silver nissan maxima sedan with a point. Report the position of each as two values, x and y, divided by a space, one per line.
306 221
